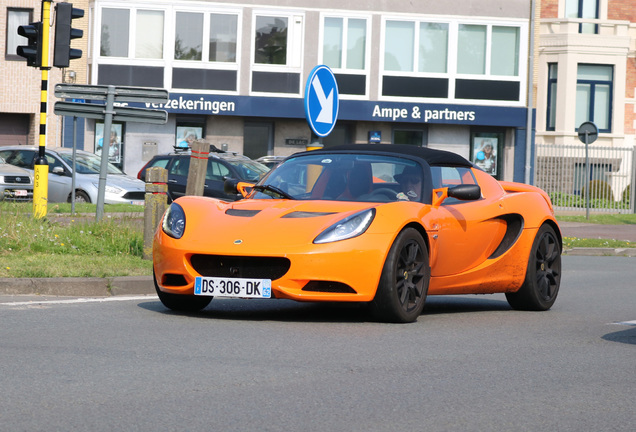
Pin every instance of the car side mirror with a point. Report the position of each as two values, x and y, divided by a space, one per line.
233 186
465 192
460 192
58 170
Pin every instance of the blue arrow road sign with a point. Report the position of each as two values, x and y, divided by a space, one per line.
321 100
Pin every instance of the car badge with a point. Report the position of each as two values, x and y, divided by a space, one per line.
18 179
238 241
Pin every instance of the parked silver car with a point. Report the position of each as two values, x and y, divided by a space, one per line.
16 183
120 188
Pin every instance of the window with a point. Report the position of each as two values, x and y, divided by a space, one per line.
471 49
16 18
344 43
188 39
115 33
223 37
271 40
586 9
399 42
594 88
433 48
149 37
553 70
504 57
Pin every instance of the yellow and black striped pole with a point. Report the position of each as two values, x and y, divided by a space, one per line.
41 168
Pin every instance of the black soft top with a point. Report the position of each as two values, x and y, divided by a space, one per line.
431 156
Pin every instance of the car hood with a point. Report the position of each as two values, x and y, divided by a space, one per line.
6 169
283 224
125 182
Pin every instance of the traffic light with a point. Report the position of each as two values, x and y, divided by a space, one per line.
33 51
65 13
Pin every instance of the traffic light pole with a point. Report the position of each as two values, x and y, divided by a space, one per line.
41 168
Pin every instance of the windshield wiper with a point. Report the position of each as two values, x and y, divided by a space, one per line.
274 189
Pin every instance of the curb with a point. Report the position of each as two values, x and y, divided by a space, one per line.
82 287
580 251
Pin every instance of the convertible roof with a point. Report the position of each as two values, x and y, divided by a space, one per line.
431 156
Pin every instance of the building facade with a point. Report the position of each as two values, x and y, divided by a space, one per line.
587 72
450 75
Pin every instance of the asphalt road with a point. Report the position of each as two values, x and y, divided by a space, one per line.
468 364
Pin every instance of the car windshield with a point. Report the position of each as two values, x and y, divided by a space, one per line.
88 163
249 170
344 177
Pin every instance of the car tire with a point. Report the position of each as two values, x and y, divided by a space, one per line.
404 281
80 197
543 276
181 302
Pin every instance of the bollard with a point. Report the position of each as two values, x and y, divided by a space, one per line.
198 167
156 202
313 171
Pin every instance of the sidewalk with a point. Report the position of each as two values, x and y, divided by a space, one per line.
136 285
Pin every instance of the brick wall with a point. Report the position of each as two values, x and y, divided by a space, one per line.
630 86
622 10
549 8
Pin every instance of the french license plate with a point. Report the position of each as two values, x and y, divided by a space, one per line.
233 287
21 192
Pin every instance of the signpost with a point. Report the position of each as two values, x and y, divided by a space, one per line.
321 100
588 133
109 112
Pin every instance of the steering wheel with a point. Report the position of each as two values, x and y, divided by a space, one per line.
387 192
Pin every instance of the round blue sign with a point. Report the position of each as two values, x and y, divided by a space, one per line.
321 100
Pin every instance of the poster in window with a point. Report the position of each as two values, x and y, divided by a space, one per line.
114 146
186 135
485 154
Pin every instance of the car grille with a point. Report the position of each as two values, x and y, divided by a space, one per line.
135 196
240 267
10 195
22 179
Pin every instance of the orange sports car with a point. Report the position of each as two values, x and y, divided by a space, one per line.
383 224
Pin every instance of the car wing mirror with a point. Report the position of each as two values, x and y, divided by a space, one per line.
461 192
58 170
234 186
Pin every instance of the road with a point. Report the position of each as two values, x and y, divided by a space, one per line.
468 364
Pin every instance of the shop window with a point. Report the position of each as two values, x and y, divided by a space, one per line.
189 130
15 18
586 9
486 148
410 136
594 88
553 70
114 140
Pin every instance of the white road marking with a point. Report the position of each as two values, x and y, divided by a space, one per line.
629 323
77 300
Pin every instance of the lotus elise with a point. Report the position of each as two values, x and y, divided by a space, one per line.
387 225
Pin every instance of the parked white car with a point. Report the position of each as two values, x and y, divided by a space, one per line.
16 183
120 188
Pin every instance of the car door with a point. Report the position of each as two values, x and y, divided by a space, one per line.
60 180
215 178
468 231
178 176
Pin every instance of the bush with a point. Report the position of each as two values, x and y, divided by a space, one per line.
627 193
599 190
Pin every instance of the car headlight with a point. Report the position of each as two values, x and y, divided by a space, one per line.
109 189
347 228
173 223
